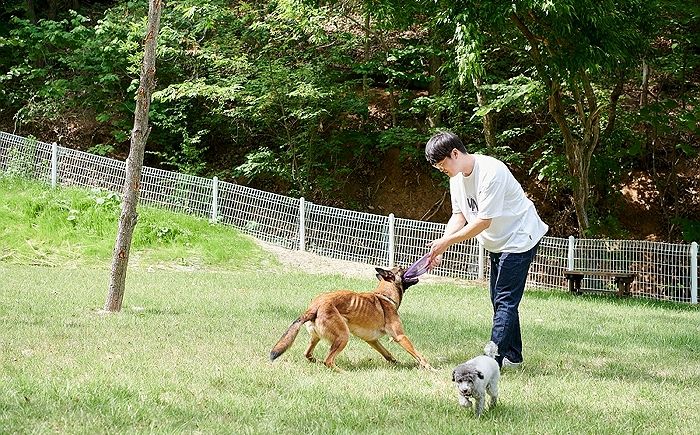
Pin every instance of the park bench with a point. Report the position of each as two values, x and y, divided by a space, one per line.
623 280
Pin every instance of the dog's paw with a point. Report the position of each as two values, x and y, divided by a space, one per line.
463 401
426 366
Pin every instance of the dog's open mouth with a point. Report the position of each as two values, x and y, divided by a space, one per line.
407 282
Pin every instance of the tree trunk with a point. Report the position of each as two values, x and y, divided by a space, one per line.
394 105
643 96
134 164
434 115
31 11
612 108
368 33
53 9
435 85
487 120
579 150
574 158
643 101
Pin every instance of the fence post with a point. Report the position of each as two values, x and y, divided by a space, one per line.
54 164
302 226
481 269
214 198
391 240
694 272
570 256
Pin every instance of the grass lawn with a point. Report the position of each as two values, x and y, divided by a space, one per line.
189 354
204 306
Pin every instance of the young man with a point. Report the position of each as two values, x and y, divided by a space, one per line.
488 203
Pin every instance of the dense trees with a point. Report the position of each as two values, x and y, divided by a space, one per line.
580 52
301 96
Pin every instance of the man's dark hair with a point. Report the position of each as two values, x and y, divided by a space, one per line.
441 145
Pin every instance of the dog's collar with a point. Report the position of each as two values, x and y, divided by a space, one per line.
388 299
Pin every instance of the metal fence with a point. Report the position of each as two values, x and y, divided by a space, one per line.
665 271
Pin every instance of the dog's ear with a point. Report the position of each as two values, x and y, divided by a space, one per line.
479 374
384 274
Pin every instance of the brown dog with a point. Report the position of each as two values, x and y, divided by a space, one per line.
333 316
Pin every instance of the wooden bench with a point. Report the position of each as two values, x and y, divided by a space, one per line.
623 280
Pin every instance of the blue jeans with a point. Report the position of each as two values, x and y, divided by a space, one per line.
508 275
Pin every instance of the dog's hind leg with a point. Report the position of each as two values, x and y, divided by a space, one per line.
331 326
493 392
336 347
376 345
312 344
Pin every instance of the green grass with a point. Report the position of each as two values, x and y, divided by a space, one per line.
71 227
188 353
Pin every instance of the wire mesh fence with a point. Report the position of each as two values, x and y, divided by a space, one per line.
664 271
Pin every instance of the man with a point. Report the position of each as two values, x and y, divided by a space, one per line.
488 203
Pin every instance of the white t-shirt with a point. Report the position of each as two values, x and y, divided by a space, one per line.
491 192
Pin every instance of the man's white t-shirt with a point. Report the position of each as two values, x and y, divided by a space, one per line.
491 192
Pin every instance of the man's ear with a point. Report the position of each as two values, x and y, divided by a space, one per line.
384 274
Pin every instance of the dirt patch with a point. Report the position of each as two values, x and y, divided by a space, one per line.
308 262
408 192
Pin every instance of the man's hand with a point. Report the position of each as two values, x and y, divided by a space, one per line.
437 247
435 262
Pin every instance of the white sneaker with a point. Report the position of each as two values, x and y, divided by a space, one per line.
506 363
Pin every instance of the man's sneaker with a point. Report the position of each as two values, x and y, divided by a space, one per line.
506 363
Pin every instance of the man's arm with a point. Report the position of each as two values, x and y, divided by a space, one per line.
456 223
456 231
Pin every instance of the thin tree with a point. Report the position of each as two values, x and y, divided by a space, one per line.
134 164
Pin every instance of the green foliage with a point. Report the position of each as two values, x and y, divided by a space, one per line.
407 140
677 54
300 97
262 163
690 228
101 149
607 226
550 165
521 93
72 65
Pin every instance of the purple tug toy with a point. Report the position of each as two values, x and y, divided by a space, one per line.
417 269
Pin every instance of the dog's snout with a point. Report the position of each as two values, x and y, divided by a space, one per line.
466 390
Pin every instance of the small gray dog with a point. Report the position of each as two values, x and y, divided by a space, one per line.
477 377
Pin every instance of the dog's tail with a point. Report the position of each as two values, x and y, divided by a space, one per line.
491 349
290 334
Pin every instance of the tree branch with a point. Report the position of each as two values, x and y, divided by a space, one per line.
535 48
612 107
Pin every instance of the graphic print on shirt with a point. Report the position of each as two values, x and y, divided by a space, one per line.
471 202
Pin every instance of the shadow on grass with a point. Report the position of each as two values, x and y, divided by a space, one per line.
369 364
